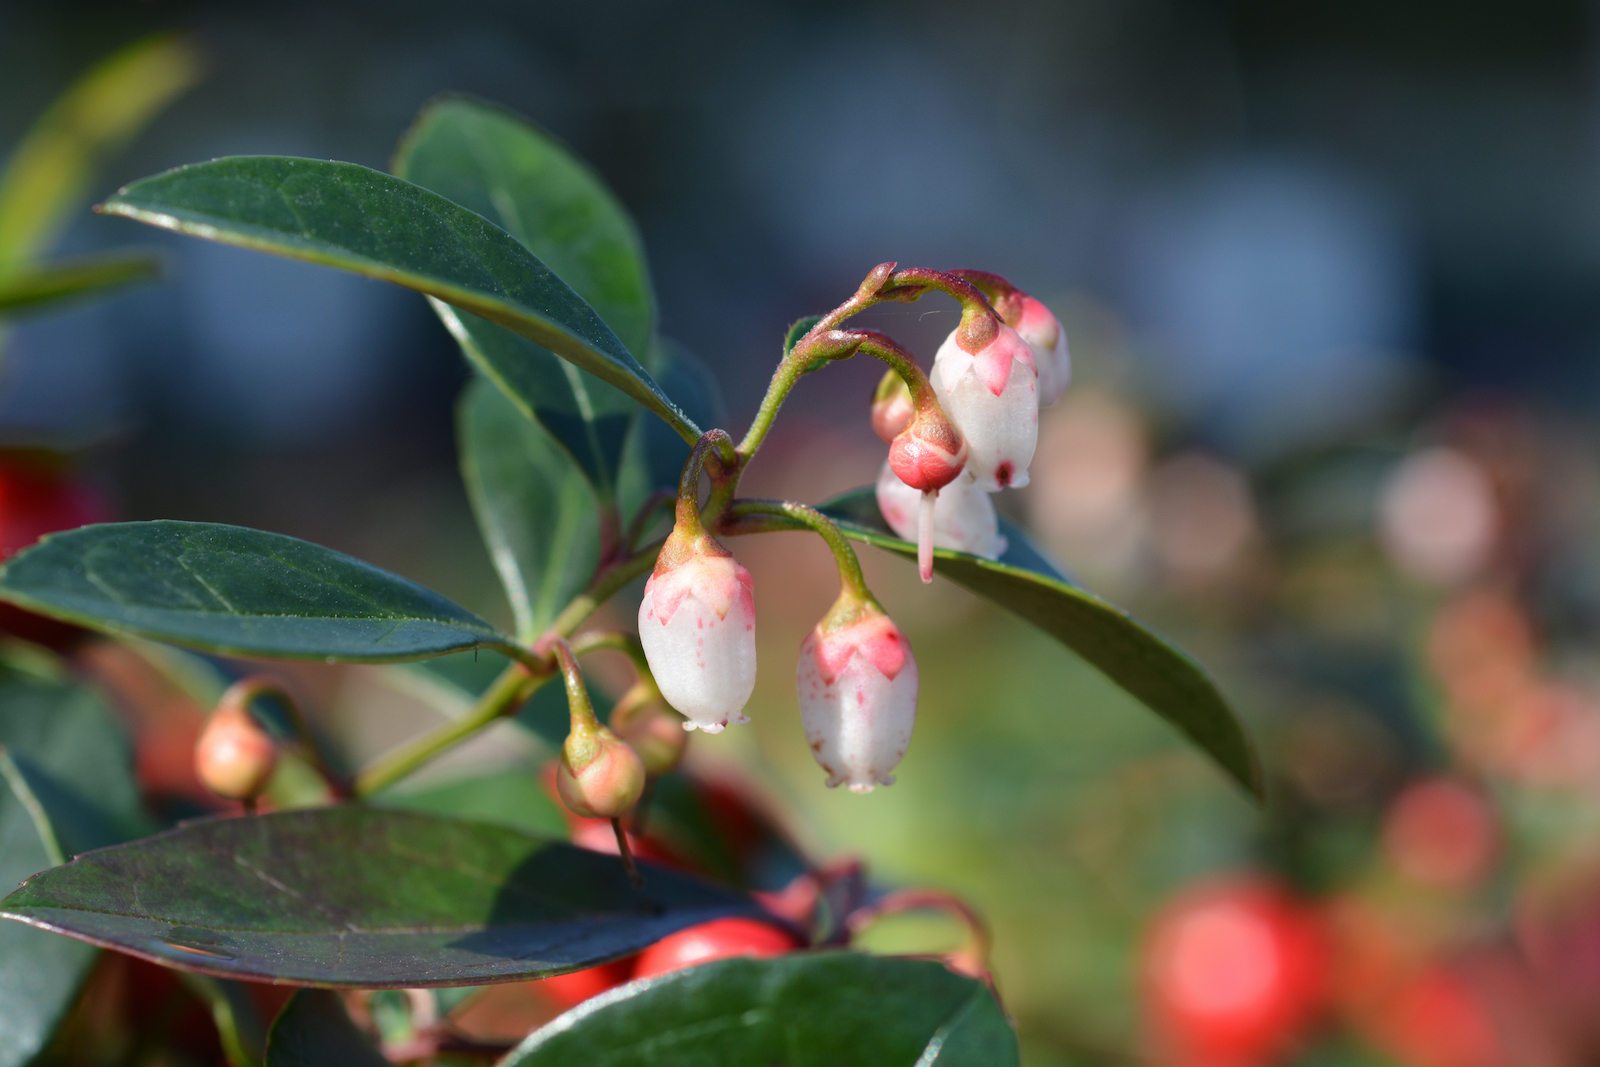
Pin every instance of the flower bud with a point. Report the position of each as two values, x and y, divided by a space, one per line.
235 757
964 519
653 730
697 624
857 683
891 406
930 452
1041 331
993 396
598 775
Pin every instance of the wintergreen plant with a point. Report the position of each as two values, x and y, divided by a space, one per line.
582 433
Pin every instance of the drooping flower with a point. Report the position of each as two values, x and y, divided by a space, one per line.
993 396
697 625
857 683
1041 331
964 518
891 406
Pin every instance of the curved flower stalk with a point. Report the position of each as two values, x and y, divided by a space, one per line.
1035 324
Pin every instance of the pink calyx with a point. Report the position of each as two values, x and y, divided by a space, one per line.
875 638
714 578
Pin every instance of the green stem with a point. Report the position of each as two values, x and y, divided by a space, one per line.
688 507
578 702
850 576
509 691
616 641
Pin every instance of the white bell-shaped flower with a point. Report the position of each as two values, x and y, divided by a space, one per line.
697 623
1042 332
858 699
993 397
963 515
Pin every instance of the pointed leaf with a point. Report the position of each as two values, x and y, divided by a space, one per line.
237 591
810 1009
363 897
347 216
1138 659
314 1030
538 516
66 784
52 166
34 287
525 181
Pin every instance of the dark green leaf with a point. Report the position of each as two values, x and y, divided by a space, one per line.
314 1030
66 784
529 184
1138 659
512 798
363 897
538 515
237 591
799 329
347 216
656 455
34 287
810 1009
589 418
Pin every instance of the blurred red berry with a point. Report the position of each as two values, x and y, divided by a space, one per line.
37 498
569 990
715 940
1234 973
1442 834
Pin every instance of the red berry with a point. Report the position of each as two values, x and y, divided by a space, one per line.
1440 833
715 940
36 499
1234 974
569 990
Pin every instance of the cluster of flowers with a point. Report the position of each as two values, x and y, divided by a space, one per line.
972 433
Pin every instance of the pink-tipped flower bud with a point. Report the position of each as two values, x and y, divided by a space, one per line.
858 698
697 624
963 520
598 776
891 406
1041 331
993 396
653 730
235 757
930 452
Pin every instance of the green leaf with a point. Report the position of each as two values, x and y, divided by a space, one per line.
234 1014
538 515
525 181
347 216
655 455
50 170
237 591
33 287
66 784
1137 658
362 897
810 1009
314 1030
512 798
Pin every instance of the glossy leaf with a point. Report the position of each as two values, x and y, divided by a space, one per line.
512 798
810 1009
66 784
362 897
314 1030
537 513
1137 658
33 287
525 181
236 591
49 172
347 216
